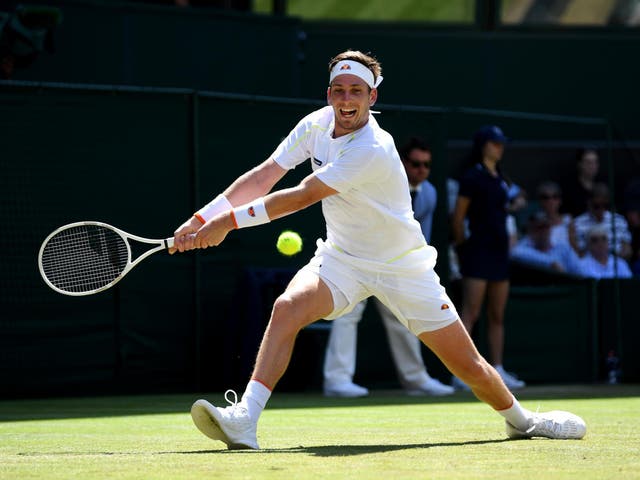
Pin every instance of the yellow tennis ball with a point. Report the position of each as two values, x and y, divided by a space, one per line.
289 243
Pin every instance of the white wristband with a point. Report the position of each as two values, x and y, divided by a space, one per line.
214 207
250 214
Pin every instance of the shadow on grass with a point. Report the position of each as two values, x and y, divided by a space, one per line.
344 450
317 451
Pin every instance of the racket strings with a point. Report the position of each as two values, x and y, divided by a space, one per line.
84 258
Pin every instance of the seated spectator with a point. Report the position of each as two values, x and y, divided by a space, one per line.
537 250
632 214
578 189
549 197
598 214
598 261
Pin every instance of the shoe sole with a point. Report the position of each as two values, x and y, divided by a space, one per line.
204 419
204 416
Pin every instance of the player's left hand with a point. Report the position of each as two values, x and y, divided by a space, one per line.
213 233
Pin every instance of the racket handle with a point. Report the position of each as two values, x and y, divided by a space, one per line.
168 242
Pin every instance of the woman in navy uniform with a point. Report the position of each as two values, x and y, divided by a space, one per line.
480 235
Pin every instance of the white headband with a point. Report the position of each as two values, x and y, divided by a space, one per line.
354 68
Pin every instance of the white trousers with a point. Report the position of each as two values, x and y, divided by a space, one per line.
340 356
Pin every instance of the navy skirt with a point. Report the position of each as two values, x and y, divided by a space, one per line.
484 262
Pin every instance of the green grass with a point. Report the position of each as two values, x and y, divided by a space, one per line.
305 436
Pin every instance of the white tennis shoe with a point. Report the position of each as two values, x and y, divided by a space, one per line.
231 425
555 424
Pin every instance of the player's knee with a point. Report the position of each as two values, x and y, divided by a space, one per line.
289 314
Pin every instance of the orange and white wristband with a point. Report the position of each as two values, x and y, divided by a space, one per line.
250 214
218 205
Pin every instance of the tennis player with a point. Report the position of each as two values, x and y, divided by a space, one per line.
374 247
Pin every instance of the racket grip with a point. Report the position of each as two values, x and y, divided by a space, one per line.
168 242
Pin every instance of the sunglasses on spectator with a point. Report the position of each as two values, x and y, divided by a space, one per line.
549 196
416 164
599 238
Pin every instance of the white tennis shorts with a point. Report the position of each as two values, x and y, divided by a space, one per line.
409 286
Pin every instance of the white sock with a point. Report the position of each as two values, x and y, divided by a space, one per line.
516 415
255 398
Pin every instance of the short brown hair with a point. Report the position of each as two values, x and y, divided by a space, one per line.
366 59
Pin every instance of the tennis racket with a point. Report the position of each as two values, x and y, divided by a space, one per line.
84 258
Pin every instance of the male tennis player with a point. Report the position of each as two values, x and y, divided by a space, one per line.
374 247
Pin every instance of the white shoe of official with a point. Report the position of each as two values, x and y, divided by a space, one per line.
431 387
510 380
555 424
345 390
230 425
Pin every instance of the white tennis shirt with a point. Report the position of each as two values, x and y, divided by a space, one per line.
371 216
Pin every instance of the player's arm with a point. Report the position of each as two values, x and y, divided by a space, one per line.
253 184
289 200
270 207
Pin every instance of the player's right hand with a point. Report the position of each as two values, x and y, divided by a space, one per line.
184 236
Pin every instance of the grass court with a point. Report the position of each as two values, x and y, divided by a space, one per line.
307 436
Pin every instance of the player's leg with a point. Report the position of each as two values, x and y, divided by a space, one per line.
453 345
420 302
340 355
474 291
406 351
455 348
305 300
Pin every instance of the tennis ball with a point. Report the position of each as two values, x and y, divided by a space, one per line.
289 243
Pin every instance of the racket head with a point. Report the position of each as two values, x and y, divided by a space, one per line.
84 258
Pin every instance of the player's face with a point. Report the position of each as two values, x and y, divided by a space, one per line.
350 98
